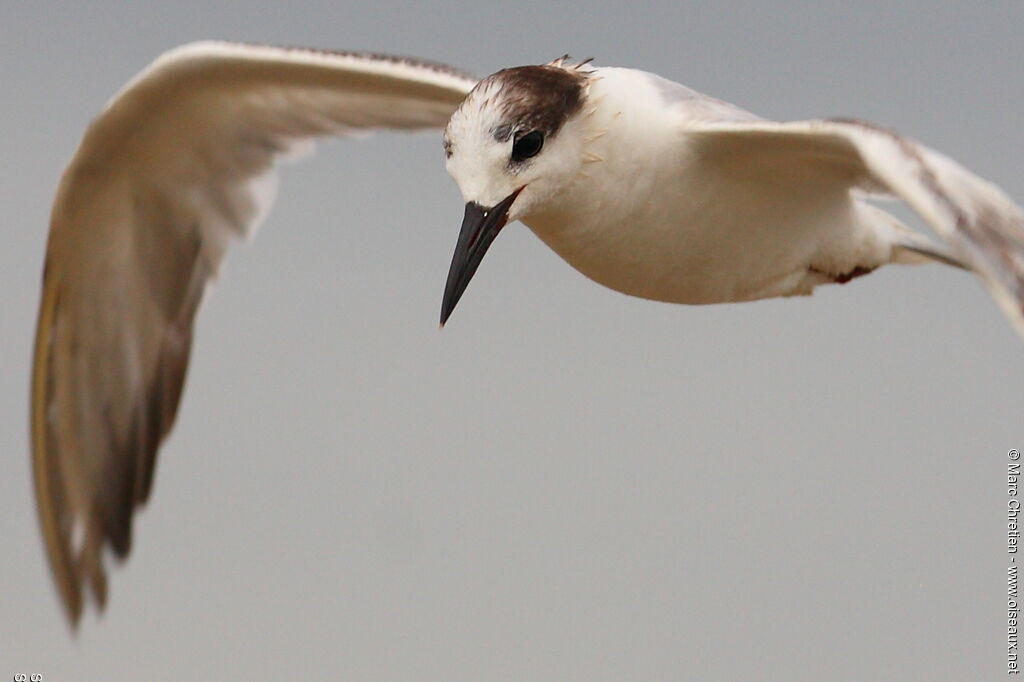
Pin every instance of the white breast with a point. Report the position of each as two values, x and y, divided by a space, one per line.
650 221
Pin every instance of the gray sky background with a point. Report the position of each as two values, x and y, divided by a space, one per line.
565 483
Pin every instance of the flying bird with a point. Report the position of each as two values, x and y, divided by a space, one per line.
641 184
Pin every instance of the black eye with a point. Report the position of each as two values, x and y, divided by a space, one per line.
527 146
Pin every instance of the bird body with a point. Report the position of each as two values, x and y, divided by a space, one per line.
646 218
653 213
641 184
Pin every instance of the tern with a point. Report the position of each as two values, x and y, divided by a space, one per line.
641 184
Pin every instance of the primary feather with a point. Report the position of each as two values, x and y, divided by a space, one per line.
178 164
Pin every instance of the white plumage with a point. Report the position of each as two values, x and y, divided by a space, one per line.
643 185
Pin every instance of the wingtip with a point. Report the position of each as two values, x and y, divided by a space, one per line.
47 489
72 613
1011 305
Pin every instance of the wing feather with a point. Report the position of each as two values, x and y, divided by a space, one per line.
178 164
982 227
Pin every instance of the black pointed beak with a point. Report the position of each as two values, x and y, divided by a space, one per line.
479 228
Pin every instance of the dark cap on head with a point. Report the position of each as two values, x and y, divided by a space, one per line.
537 97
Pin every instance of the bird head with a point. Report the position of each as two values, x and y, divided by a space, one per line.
513 145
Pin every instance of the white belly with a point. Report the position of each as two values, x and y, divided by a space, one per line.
703 245
649 220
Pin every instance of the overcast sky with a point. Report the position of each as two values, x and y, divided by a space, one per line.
566 483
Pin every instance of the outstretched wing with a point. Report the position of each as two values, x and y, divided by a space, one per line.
178 164
981 226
